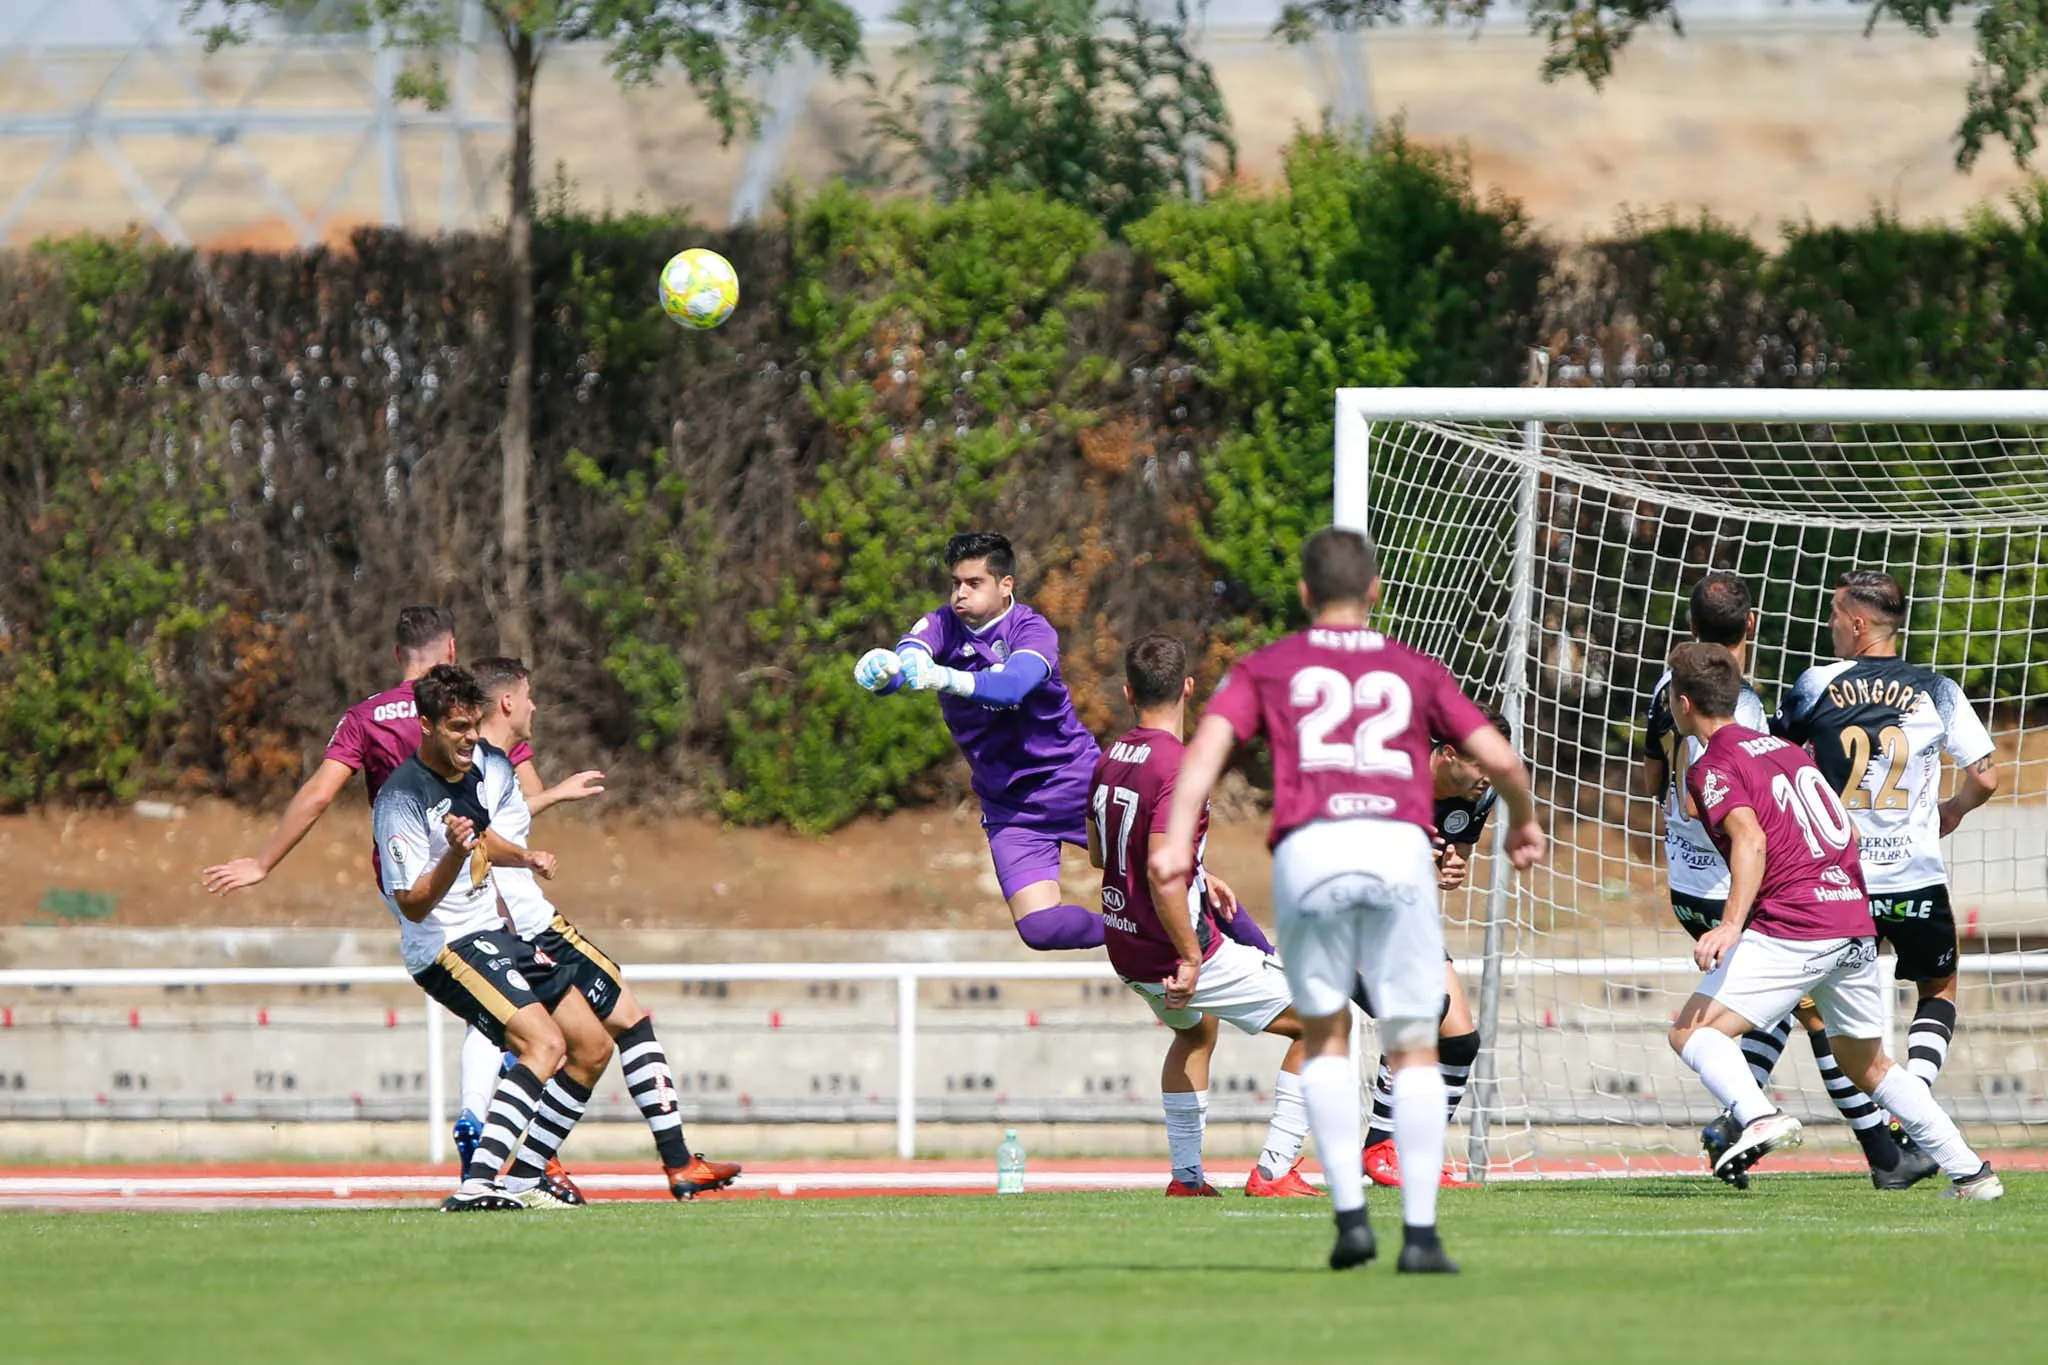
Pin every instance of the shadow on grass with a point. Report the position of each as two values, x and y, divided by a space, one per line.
1231 1268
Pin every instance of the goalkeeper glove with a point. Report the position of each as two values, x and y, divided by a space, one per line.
876 667
922 673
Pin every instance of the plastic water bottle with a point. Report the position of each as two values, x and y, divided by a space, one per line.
1010 1164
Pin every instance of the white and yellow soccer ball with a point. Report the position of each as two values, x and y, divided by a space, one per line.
699 288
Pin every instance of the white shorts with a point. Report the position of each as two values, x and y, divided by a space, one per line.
1357 899
1762 978
1239 985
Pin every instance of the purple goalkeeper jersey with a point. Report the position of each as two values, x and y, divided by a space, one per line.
1032 762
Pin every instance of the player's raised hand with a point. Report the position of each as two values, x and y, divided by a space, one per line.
222 878
541 862
579 786
1713 945
1180 987
461 831
1526 844
1222 899
1451 869
921 672
876 667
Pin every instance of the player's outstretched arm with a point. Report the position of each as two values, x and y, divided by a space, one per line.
1977 784
575 787
309 803
1172 854
1510 777
880 671
1006 684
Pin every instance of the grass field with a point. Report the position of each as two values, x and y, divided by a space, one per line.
1809 1270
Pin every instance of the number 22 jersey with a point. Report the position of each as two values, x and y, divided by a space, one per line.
1349 715
1877 726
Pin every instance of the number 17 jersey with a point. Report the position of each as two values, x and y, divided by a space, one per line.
1350 716
1877 727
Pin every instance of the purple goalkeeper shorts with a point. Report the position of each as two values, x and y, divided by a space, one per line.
1031 853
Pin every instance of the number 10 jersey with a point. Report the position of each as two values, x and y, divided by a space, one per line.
1877 727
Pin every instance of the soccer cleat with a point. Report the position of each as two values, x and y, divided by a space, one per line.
1914 1166
1715 1139
480 1196
700 1176
564 1187
1773 1132
1417 1259
1182 1190
1355 1243
546 1195
469 1131
1382 1166
1983 1185
1287 1185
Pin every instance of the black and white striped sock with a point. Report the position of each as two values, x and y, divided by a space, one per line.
561 1105
1381 1127
1761 1048
653 1087
1455 1057
1863 1114
512 1105
1934 1026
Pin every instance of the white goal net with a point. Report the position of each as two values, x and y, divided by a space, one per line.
1542 543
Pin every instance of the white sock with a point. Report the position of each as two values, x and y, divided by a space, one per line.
1719 1061
1329 1088
1926 1122
481 1059
1287 1131
1420 1119
1187 1114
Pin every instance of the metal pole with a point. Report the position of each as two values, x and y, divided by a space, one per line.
906 1065
1513 705
437 1084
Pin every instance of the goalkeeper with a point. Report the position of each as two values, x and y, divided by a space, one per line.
995 664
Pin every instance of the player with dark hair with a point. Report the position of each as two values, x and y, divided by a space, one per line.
431 820
1877 726
1349 715
1167 943
1796 925
1720 611
508 712
1464 800
996 666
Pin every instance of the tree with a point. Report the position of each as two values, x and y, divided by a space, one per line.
2007 97
1101 106
716 44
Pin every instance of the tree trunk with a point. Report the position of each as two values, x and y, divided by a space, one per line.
515 436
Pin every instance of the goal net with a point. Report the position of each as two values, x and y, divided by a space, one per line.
1542 543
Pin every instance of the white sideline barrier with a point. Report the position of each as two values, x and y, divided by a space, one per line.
908 976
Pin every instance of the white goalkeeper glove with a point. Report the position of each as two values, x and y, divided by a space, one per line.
922 673
876 667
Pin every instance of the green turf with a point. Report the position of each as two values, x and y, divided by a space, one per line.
1801 1270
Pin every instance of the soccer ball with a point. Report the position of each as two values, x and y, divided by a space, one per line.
699 288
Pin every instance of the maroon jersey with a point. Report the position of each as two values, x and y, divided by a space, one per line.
381 732
1348 714
1130 796
1813 880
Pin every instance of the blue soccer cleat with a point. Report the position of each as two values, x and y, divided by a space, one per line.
469 1131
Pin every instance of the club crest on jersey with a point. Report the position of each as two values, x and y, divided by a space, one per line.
1000 649
1457 822
439 811
397 851
1714 790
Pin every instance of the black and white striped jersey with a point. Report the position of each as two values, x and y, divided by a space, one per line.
1878 728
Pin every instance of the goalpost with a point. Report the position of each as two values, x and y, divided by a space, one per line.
1541 541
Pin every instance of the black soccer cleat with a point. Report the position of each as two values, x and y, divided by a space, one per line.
480 1196
1914 1166
1417 1259
1355 1243
1716 1138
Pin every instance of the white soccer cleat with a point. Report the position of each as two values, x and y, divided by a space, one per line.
1771 1133
1983 1185
542 1197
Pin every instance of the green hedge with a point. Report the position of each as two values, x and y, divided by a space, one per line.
219 477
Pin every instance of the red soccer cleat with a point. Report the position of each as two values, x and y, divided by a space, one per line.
700 1176
1382 1167
1178 1190
1287 1185
565 1188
